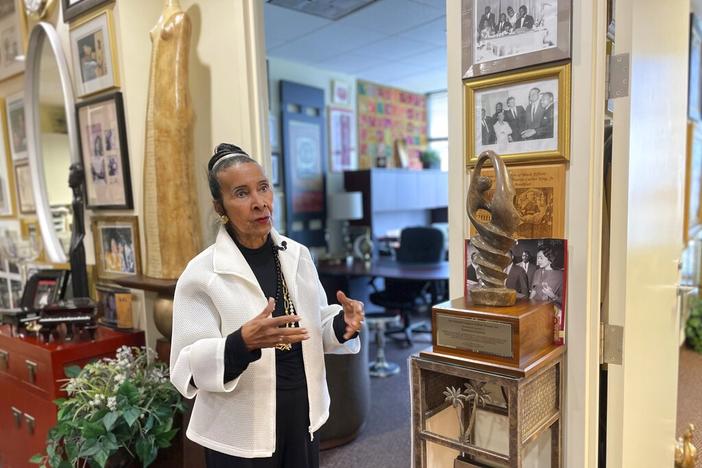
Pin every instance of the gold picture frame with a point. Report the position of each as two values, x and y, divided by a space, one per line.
117 248
14 35
542 128
8 197
94 53
692 215
539 199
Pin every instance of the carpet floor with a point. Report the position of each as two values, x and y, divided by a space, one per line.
690 396
384 442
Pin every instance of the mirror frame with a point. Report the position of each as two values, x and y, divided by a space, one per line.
42 32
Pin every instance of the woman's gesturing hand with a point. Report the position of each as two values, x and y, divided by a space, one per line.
353 314
264 331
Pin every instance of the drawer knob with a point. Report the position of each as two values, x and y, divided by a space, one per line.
4 359
30 423
32 369
17 416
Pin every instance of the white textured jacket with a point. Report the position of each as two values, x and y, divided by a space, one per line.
216 294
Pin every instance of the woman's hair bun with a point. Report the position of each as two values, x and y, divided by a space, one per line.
222 150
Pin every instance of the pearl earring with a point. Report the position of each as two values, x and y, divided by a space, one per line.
223 219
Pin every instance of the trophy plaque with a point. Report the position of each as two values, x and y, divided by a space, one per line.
511 336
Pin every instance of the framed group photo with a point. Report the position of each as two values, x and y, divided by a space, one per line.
523 117
94 53
117 251
103 146
503 35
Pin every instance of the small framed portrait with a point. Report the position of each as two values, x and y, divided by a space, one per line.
694 102
23 181
94 53
341 93
17 126
275 169
117 251
74 8
103 146
13 38
504 35
44 287
521 116
114 306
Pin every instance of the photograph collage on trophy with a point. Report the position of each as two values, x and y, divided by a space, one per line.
538 271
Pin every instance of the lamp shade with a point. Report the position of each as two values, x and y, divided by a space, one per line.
347 205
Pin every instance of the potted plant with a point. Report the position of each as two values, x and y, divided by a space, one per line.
117 411
430 159
693 328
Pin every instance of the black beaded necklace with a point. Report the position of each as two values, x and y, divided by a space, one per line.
282 289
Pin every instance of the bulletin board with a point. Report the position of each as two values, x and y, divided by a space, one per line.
387 114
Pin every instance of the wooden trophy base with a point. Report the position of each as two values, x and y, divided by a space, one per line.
503 339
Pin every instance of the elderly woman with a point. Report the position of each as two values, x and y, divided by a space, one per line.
547 283
251 325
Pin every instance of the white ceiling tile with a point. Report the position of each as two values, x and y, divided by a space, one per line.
440 4
433 80
283 24
324 43
434 58
350 63
390 71
395 48
392 16
433 32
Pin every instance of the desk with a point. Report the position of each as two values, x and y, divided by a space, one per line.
352 278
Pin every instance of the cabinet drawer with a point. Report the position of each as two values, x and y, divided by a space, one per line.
33 372
25 420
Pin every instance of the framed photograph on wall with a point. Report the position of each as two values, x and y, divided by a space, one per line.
94 53
522 116
74 8
694 93
342 140
692 218
117 251
539 199
17 126
7 180
103 147
341 93
504 35
23 181
13 38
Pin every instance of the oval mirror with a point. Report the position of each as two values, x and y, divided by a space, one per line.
52 137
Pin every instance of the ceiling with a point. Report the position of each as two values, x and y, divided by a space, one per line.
399 43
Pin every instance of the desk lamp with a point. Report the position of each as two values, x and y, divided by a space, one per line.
346 206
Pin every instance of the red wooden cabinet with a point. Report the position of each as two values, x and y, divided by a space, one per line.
31 374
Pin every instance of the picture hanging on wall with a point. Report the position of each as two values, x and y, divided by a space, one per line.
539 199
23 180
539 271
521 116
117 251
342 140
17 127
275 169
692 220
694 94
74 8
13 38
94 53
341 93
103 146
504 35
305 166
7 184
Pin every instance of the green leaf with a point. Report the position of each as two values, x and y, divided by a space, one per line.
164 439
109 420
92 430
101 457
130 415
145 450
149 423
71 371
37 459
65 464
130 391
91 448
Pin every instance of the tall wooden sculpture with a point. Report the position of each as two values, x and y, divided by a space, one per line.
495 238
171 221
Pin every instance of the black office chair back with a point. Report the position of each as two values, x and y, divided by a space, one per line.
421 244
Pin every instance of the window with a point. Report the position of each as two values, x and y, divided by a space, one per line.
437 104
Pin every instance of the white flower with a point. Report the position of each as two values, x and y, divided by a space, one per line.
112 403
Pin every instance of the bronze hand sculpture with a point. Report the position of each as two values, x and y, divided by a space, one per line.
494 238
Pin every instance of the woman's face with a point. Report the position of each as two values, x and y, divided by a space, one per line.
247 199
501 117
541 260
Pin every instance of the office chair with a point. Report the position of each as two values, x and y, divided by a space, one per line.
417 245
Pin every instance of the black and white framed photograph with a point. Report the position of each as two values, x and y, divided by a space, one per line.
117 251
13 38
502 35
521 117
102 134
94 53
17 125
